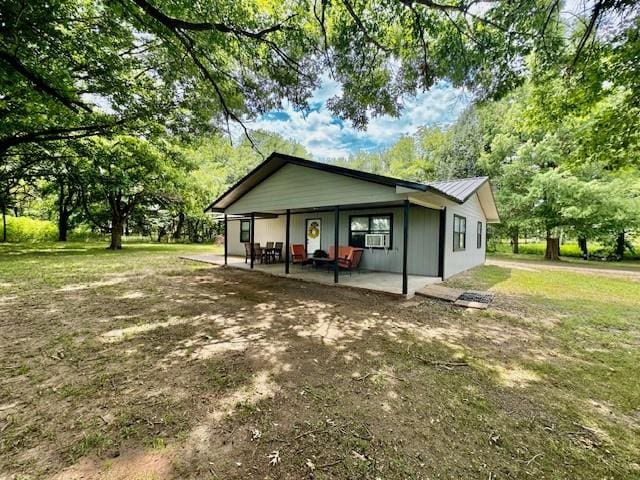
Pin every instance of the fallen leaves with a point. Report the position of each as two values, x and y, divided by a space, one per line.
274 458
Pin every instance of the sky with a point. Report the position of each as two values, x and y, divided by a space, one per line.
326 136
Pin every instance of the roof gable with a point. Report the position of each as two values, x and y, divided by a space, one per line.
363 187
297 187
276 161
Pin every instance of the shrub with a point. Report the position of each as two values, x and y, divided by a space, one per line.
568 249
83 233
25 229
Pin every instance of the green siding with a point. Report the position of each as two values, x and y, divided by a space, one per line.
294 186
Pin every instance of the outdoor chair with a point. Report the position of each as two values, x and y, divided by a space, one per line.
298 255
278 251
348 258
268 255
258 252
351 261
247 251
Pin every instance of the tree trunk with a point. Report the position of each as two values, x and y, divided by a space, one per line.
553 249
620 245
4 222
63 225
178 233
117 227
515 246
582 243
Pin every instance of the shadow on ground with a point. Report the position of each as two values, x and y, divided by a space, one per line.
209 372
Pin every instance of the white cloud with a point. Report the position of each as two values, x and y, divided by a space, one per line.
325 136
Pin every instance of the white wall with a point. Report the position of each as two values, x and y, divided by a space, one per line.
267 230
472 256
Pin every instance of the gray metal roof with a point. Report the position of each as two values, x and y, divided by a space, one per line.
459 189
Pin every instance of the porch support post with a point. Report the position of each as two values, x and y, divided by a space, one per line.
441 240
405 248
226 222
336 244
252 237
286 242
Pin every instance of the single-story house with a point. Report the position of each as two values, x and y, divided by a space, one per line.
434 229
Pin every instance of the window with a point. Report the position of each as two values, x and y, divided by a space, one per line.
360 225
245 231
459 233
479 245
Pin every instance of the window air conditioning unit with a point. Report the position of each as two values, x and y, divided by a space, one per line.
376 240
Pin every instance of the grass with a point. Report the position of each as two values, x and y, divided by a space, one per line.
142 365
567 250
567 261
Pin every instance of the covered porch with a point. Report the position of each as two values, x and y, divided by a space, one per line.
407 263
386 282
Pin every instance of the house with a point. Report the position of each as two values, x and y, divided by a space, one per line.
433 229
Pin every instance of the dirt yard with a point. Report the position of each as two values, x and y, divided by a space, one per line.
138 365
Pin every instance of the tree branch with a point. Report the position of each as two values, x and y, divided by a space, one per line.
177 27
40 83
176 23
55 133
362 28
187 42
461 8
595 14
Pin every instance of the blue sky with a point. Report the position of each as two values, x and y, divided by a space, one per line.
326 136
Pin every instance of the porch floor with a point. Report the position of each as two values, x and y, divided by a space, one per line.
378 281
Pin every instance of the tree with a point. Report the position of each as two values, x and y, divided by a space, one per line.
129 172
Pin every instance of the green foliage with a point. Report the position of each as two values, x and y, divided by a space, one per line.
25 229
33 230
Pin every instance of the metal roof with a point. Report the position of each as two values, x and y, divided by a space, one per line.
460 189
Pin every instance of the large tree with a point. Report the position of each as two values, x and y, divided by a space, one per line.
126 173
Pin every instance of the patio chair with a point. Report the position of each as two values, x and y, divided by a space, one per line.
267 253
351 261
247 251
298 255
348 258
258 252
278 251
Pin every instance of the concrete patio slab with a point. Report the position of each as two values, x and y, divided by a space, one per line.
387 282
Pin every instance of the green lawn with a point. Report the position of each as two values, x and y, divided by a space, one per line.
136 364
567 260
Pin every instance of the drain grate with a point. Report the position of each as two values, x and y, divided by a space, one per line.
476 297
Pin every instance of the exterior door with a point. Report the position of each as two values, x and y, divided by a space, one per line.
312 234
